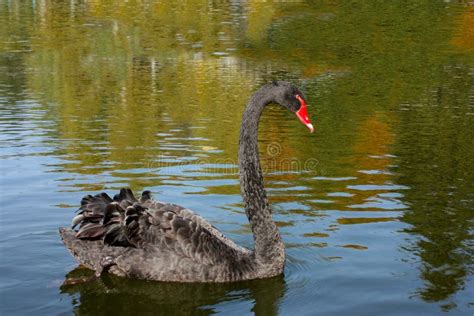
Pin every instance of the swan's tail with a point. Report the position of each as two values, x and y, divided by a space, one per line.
87 253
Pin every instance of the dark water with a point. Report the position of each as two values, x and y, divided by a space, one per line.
376 208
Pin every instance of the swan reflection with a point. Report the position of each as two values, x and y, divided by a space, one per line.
118 295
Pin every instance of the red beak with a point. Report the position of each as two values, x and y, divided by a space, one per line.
302 114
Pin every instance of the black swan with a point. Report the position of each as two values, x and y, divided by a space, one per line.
148 239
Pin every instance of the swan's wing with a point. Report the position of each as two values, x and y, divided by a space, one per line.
101 217
188 214
149 224
167 230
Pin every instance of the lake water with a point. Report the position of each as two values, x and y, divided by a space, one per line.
376 208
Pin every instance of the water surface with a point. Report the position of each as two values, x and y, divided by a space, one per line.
375 208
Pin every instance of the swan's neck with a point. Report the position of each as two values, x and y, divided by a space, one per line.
269 248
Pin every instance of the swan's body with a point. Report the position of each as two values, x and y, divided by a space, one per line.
148 239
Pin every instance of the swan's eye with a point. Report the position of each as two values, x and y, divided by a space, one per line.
301 101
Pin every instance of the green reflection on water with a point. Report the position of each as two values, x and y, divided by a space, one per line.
139 91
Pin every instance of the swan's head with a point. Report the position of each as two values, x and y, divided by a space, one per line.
290 97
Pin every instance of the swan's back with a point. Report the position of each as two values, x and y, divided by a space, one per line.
150 239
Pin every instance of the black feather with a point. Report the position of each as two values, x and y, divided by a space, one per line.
146 195
90 231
